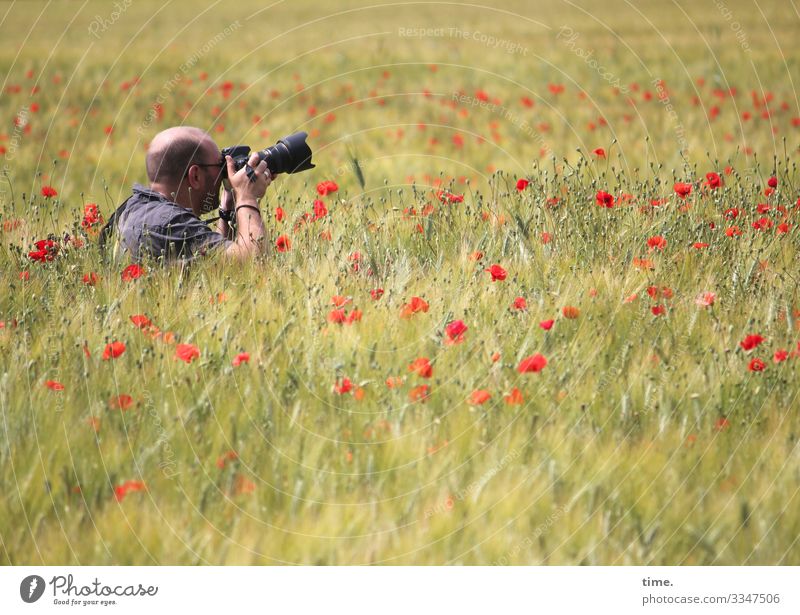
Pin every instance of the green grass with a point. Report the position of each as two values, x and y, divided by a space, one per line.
645 439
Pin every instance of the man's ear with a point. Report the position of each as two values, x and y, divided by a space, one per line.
194 177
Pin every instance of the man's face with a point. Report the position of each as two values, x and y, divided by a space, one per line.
210 163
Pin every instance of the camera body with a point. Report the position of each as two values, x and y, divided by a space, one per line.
289 155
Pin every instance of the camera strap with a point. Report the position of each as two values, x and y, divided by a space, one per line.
110 226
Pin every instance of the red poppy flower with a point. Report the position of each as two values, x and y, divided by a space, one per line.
656 242
762 223
121 402
90 279
599 152
604 199
772 182
658 310
187 352
355 260
243 486
514 398
522 183
546 324
132 272
497 273
337 316
455 331
722 423
756 365
780 355
533 363
376 293
343 386
448 197
750 342
91 216
46 250
54 385
520 303
226 457
279 215
242 357
682 189
283 243
49 192
698 245
141 321
419 393
320 211
713 180
128 486
394 382
571 312
479 397
733 231
417 304
705 300
422 367
113 350
326 187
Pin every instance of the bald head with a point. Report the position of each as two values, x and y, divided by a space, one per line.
172 151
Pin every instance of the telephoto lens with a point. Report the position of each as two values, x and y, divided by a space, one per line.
289 155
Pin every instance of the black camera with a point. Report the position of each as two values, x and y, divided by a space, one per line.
289 155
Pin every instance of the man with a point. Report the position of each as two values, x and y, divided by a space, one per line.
184 167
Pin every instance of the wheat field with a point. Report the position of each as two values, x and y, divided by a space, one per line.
536 304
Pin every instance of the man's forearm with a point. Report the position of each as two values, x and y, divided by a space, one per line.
249 228
248 186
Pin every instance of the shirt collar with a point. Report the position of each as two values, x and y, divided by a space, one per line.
148 193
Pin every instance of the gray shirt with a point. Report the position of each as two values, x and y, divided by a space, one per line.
150 225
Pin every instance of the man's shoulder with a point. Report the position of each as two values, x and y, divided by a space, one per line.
148 208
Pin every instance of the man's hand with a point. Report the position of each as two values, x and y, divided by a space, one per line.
246 190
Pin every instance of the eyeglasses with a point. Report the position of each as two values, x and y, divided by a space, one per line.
209 164
219 165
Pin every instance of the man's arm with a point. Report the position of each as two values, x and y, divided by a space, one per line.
249 225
